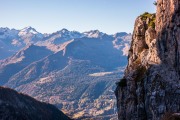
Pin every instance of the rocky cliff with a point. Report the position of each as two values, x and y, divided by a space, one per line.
150 88
15 106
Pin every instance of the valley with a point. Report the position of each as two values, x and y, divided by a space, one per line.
74 71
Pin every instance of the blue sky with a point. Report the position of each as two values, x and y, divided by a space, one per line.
48 16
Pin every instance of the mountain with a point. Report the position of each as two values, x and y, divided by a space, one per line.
71 77
55 40
17 106
74 71
94 34
20 60
150 88
8 42
122 42
28 30
11 40
29 35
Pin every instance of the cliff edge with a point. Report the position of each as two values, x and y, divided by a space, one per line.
150 88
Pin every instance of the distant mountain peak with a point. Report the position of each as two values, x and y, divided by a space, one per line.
64 30
64 33
8 30
28 29
4 28
93 31
94 34
120 34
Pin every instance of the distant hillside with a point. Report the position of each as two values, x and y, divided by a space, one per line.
16 106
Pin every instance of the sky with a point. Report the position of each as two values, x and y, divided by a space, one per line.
47 16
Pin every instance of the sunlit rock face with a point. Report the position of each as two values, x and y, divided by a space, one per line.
150 88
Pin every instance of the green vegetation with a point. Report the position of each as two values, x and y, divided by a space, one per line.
155 3
152 24
145 15
150 17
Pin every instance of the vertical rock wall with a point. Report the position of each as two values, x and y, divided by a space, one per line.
151 84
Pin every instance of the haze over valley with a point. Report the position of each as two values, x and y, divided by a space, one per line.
74 71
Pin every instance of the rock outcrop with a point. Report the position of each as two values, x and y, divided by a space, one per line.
16 106
150 87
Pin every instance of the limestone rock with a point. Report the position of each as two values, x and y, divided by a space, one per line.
150 87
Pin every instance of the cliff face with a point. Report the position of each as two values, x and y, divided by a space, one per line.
15 106
151 84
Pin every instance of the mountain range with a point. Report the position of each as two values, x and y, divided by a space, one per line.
74 71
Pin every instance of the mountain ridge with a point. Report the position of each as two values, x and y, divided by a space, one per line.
12 40
17 106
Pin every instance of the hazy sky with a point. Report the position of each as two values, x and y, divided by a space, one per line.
48 16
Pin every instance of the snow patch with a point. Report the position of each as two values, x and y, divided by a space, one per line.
94 34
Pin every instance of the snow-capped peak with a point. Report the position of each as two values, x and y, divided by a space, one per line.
68 34
27 30
94 34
